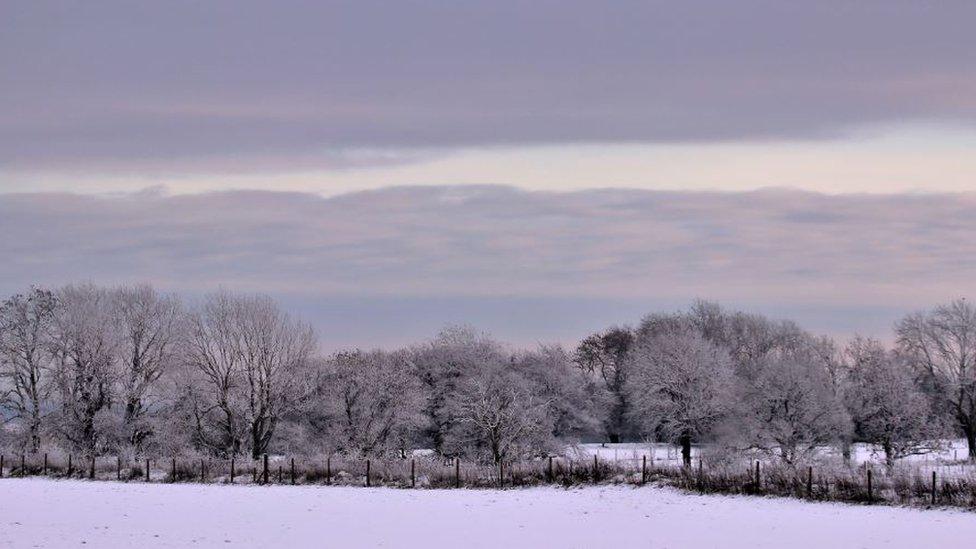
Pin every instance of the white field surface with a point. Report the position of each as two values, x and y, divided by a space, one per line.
953 450
60 513
950 460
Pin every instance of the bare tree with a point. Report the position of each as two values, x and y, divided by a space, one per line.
603 358
886 405
679 386
575 411
370 403
150 326
26 323
443 364
84 344
251 361
211 377
501 416
942 347
126 368
790 407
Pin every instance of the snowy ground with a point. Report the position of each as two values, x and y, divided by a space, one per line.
49 513
952 451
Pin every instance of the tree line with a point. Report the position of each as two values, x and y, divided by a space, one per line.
133 371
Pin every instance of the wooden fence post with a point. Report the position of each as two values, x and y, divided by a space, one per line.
933 487
758 482
1 465
413 474
280 481
809 481
147 469
264 471
172 470
45 463
70 468
328 470
91 472
870 493
367 473
203 472
549 472
457 472
232 470
293 471
23 466
596 471
501 473
118 467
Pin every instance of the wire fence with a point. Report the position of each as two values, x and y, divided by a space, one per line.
918 485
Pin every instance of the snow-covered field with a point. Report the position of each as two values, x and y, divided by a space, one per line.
660 453
49 513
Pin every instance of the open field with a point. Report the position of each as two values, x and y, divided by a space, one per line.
953 452
63 513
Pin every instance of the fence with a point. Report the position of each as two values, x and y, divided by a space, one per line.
906 486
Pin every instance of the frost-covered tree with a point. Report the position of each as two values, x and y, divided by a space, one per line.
248 367
84 345
886 405
749 338
603 358
454 355
149 326
576 413
500 416
941 345
26 324
369 403
679 386
790 408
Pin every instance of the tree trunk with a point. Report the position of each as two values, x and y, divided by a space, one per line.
230 437
35 430
618 417
35 415
889 455
496 448
685 442
88 436
971 441
256 446
845 449
129 419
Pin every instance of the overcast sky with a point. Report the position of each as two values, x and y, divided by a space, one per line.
537 169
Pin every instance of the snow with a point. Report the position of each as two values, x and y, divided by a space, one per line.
49 513
657 453
661 453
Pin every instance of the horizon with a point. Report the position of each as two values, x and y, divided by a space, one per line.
382 315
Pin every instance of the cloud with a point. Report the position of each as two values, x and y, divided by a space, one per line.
229 86
769 246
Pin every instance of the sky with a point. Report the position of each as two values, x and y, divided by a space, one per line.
536 169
